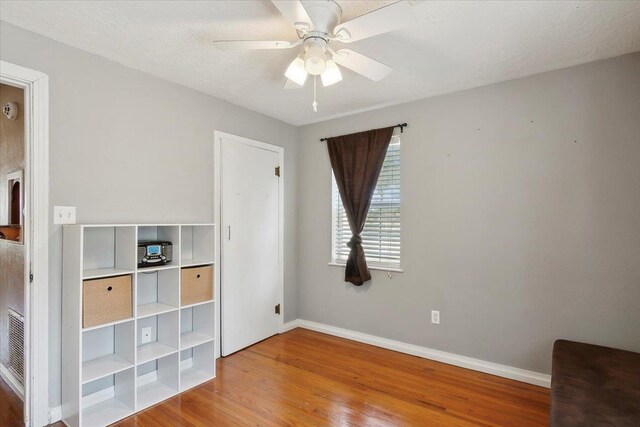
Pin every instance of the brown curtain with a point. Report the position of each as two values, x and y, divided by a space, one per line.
356 160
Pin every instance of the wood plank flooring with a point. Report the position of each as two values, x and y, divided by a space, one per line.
10 406
310 379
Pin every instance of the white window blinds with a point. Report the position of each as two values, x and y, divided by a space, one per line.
381 235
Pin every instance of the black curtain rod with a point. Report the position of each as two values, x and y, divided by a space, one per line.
400 125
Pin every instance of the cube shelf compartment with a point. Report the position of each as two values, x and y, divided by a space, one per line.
107 350
197 244
108 251
116 399
196 325
157 380
158 292
196 366
170 233
108 372
107 300
164 336
196 285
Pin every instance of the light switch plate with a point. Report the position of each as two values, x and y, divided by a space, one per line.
146 335
64 214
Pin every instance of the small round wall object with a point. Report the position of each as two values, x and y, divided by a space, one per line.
10 110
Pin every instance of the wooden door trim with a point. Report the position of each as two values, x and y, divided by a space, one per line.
35 237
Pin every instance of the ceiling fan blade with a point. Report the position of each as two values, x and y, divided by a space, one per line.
255 44
386 19
294 12
290 84
361 64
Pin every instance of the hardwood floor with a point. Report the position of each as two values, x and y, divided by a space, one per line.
310 379
10 406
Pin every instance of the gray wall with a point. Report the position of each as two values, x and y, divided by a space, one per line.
520 207
521 219
111 127
11 254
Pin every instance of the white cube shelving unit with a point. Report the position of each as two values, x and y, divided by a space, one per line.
108 373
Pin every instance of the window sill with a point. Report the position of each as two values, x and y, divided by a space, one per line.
372 267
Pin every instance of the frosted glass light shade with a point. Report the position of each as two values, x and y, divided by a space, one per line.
314 61
296 72
331 74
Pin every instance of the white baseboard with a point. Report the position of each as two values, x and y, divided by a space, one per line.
55 414
15 385
290 325
505 371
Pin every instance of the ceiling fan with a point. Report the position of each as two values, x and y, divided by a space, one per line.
317 57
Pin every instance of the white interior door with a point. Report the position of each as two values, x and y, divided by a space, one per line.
250 256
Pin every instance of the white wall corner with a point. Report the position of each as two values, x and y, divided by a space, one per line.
55 414
523 375
290 325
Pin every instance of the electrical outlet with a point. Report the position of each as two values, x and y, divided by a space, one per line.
146 335
435 317
64 214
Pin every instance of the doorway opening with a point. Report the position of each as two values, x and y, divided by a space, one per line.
24 203
12 248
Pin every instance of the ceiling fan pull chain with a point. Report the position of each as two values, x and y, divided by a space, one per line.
315 102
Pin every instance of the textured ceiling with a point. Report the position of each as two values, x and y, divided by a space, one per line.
451 46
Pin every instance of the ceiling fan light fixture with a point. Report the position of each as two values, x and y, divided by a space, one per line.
296 71
314 60
331 74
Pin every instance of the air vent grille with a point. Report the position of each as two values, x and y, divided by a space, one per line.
16 345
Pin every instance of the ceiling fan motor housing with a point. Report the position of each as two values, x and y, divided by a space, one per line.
324 14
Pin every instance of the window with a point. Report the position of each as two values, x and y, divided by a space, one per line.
381 235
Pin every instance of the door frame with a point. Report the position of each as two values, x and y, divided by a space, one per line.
36 238
217 208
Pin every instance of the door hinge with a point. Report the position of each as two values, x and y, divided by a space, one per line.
278 309
30 277
277 170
